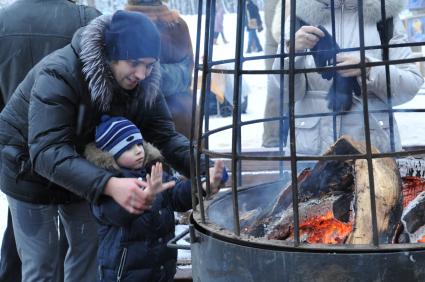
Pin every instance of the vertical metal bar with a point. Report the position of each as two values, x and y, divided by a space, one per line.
237 111
206 140
292 144
333 97
385 58
237 99
208 91
367 126
236 117
283 134
205 71
194 101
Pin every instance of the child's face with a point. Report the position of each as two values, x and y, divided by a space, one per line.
132 158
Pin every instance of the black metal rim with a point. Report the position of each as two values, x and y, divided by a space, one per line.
317 248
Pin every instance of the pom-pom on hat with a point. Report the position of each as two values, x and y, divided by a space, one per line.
116 135
131 36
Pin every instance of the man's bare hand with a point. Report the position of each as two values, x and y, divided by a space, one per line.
127 193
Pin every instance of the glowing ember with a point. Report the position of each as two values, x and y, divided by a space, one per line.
412 187
325 230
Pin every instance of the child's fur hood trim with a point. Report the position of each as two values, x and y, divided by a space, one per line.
105 160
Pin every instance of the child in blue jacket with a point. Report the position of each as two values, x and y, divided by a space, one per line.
133 247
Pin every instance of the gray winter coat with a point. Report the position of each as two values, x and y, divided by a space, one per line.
314 135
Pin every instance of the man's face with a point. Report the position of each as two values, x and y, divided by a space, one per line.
132 158
129 73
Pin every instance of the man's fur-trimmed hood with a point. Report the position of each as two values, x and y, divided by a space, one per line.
106 160
96 69
317 12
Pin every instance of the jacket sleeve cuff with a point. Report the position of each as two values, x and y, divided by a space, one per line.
101 187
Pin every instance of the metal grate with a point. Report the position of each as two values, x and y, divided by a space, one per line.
201 130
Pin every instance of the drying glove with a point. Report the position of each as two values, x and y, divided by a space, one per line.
340 94
224 177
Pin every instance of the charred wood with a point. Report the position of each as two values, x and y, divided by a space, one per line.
338 191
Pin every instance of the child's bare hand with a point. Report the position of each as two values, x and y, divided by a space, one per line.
154 181
216 174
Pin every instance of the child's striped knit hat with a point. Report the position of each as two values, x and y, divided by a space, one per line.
117 134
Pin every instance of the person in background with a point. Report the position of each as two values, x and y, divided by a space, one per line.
134 247
272 10
28 32
218 22
253 23
315 134
176 59
110 67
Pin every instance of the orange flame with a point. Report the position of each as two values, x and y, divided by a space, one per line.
325 229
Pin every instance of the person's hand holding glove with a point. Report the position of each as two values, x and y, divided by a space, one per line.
307 37
349 59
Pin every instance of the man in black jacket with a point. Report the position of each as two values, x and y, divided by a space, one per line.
110 67
29 30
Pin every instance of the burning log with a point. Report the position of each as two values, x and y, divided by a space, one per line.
388 185
318 223
334 201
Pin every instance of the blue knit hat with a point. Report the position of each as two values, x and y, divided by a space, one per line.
117 134
131 36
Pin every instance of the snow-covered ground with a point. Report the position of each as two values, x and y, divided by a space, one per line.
411 125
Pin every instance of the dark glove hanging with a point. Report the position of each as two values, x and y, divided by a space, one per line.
260 28
340 94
